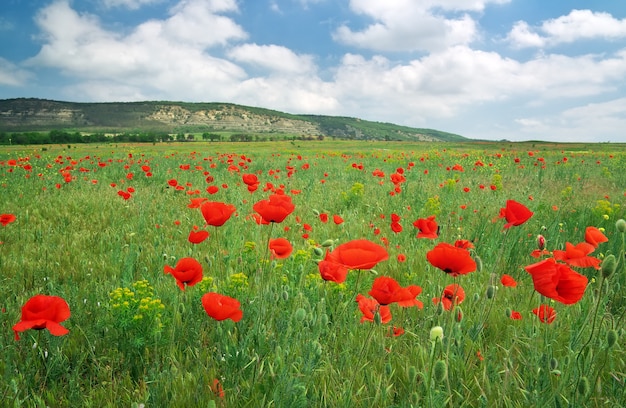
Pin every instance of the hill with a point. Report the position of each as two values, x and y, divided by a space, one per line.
29 114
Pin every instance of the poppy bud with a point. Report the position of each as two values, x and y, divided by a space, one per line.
608 266
458 314
436 334
299 315
491 291
508 312
324 319
412 374
479 263
541 242
583 386
285 295
388 369
611 338
377 318
620 225
440 371
328 243
318 251
317 348
554 363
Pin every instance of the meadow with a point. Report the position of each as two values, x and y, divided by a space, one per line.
100 226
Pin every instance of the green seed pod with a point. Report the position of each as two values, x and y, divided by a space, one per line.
479 263
412 374
584 387
328 243
388 369
620 225
440 371
299 315
609 265
554 363
611 338
491 292
317 348
318 251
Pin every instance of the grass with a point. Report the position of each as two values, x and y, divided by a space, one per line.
300 342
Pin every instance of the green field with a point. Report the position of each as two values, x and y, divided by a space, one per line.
97 224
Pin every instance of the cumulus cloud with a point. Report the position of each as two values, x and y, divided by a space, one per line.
409 26
129 4
592 121
12 75
577 25
275 58
161 57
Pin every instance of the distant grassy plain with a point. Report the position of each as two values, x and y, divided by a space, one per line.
136 338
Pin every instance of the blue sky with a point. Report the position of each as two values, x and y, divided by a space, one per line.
486 69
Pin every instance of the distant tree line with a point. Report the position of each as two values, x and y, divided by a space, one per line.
63 137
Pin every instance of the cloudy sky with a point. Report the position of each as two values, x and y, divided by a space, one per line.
486 69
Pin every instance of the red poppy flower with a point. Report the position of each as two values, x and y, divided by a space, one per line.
324 217
395 331
507 280
250 179
577 255
451 294
557 281
545 313
463 243
221 307
196 237
280 248
196 202
276 208
515 213
450 259
337 219
594 236
187 271
396 227
369 307
516 315
216 213
43 312
6 219
358 254
217 388
539 253
387 290
332 271
428 227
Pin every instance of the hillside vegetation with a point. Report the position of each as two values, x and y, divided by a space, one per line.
30 115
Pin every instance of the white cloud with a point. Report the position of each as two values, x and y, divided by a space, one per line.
577 25
405 25
129 4
521 36
600 122
160 57
12 75
276 58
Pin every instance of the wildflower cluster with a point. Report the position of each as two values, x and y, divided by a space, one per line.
135 307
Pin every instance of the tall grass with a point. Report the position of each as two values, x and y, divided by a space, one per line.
300 342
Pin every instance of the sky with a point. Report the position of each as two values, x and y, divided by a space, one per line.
484 69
